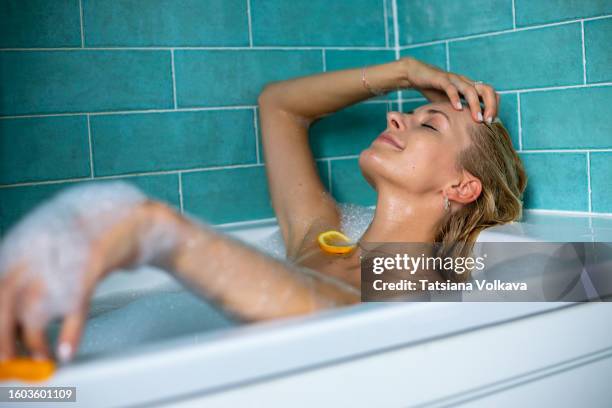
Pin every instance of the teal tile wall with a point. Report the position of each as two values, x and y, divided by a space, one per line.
163 93
81 81
427 20
56 23
30 149
318 23
529 12
244 74
601 179
137 143
553 119
557 181
554 55
165 23
597 36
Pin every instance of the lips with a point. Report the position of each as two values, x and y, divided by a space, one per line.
388 138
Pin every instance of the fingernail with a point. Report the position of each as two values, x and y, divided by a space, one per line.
479 116
64 352
458 105
489 120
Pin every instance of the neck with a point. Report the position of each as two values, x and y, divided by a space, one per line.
403 219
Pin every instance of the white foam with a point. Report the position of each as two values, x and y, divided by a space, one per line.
53 243
354 220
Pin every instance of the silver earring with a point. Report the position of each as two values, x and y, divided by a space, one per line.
446 204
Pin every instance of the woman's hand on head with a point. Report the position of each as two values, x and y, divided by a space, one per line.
438 85
52 260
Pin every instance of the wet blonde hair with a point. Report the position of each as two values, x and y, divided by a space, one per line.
492 159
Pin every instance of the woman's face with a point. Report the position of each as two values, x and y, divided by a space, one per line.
417 153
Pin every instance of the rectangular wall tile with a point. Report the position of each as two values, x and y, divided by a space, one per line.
425 20
430 54
228 195
567 119
30 149
349 131
508 114
347 59
318 22
550 56
148 142
221 78
601 181
84 81
529 12
348 184
597 36
39 23
17 202
556 181
166 23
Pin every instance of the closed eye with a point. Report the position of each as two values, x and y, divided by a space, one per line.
429 126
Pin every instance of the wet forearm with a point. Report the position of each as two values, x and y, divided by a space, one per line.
314 96
247 282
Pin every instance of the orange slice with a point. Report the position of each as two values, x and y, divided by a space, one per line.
26 369
335 242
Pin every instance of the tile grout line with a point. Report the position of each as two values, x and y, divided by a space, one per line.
507 31
588 160
128 175
584 76
447 56
513 15
297 48
385 16
396 47
173 79
520 123
180 186
140 111
608 150
257 154
323 59
329 176
91 163
238 107
81 23
250 23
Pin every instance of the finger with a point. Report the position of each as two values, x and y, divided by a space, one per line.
7 323
70 335
36 342
490 101
471 96
434 95
453 95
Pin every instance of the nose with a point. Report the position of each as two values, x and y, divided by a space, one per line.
395 121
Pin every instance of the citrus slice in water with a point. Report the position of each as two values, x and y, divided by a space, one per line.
26 369
335 242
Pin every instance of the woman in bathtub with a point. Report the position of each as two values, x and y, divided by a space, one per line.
442 174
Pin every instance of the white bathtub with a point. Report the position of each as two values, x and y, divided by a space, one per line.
183 352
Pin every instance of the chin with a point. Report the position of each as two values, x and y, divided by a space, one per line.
370 165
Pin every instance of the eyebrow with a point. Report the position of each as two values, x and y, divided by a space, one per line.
440 112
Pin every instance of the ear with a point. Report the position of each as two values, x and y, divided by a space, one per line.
467 190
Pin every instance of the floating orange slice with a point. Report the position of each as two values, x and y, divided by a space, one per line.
26 369
335 242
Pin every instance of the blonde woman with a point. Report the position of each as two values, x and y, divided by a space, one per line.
442 174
